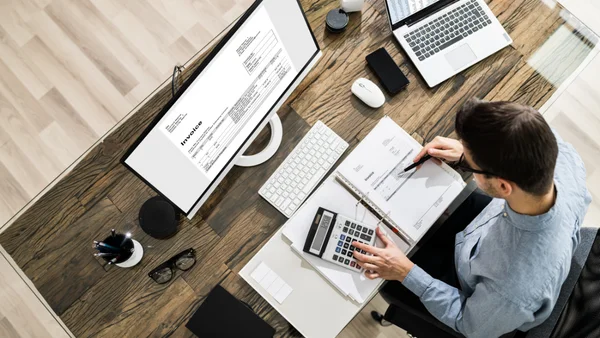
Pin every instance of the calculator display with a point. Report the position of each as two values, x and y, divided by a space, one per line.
319 238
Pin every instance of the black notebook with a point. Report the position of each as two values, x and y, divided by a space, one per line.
222 315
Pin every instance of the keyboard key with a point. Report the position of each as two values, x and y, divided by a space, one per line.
450 42
346 245
341 259
345 230
352 248
348 239
338 249
344 252
366 237
358 227
351 232
340 243
364 230
342 237
352 263
370 232
347 261
349 254
353 225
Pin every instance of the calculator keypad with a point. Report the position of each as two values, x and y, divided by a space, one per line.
348 232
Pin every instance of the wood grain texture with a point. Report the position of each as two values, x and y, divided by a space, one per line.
71 69
50 241
23 312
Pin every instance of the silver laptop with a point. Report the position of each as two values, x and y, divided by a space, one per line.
444 37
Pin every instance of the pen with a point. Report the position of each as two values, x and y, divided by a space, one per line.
418 163
104 254
104 245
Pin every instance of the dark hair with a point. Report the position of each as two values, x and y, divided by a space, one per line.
510 140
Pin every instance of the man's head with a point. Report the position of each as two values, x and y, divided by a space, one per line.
511 141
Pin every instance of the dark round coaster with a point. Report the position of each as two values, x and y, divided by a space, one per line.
158 218
336 20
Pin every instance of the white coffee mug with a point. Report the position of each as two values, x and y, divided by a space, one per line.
352 5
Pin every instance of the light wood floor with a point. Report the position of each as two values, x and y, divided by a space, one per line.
575 114
586 11
71 69
24 312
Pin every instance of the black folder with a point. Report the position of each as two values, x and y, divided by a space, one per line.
222 315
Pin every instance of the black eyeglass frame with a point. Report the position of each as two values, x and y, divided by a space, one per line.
171 264
462 165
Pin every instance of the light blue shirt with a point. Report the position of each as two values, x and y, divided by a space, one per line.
510 266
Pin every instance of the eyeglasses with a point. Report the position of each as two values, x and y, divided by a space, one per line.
464 166
183 261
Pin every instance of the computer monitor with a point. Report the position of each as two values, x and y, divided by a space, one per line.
201 133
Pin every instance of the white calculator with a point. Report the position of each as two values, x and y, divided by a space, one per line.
331 235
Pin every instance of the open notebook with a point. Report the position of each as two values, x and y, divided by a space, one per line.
370 185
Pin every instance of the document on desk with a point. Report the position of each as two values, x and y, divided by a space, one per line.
411 200
204 127
370 184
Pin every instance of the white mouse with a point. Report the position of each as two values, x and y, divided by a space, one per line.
368 92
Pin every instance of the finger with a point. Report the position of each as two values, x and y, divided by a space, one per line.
366 258
386 241
371 275
421 153
370 249
369 266
439 153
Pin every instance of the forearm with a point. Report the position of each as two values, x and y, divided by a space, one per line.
443 301
485 313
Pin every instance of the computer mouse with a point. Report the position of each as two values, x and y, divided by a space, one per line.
368 92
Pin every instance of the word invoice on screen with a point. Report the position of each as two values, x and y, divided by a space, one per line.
231 96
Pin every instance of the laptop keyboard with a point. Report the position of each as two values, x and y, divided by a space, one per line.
447 30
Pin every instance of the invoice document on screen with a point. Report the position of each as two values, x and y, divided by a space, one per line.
224 104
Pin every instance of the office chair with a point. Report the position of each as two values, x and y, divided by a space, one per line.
576 313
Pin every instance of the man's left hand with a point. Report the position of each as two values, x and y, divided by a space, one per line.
388 263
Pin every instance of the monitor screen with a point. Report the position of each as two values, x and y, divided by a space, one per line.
402 9
204 129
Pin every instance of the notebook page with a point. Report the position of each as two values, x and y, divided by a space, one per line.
413 200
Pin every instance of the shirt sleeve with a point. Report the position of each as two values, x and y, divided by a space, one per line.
486 313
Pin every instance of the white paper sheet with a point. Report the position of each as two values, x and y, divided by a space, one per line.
413 199
271 282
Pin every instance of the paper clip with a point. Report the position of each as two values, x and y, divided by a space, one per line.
356 209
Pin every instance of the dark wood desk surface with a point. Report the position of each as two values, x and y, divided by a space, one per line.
51 241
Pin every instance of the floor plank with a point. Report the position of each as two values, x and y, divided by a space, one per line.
97 59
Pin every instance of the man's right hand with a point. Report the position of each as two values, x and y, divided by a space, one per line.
444 148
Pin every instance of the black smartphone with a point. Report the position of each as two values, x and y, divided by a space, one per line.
388 72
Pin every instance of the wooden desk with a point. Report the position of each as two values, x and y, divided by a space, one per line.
51 241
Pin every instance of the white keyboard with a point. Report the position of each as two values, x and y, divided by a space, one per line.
303 169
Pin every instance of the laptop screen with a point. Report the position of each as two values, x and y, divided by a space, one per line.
402 9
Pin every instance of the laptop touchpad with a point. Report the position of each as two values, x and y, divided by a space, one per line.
461 57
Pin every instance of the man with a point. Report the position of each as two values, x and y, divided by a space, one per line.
498 263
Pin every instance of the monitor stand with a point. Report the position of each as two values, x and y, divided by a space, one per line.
270 149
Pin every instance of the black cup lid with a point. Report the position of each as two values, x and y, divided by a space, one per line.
337 19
